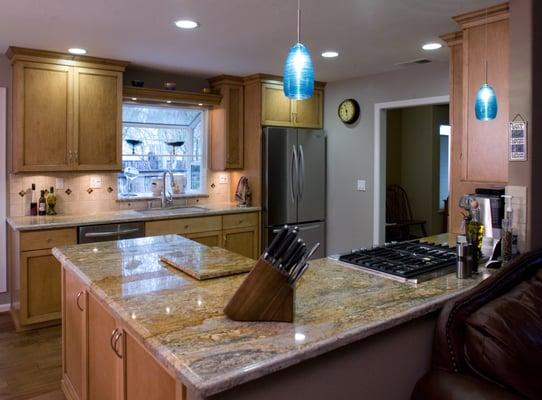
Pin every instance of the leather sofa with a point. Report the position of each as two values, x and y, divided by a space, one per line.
488 341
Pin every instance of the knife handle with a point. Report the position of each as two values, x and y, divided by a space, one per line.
288 240
270 251
286 259
295 258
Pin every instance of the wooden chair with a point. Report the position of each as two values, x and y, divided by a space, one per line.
399 217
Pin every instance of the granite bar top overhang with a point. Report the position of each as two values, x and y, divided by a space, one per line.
29 223
180 320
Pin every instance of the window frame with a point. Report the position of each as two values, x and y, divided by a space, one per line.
203 192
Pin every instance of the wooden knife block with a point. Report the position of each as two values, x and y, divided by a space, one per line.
264 295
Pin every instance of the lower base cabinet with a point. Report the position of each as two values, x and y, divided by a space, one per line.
101 359
242 241
211 239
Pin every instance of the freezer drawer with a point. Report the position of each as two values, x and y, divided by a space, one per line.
311 233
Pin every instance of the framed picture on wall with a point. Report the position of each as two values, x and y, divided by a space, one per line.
518 139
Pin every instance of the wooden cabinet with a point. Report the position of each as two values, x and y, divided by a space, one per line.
66 112
145 378
104 353
35 276
235 232
42 116
98 119
101 359
211 239
242 241
278 110
227 124
479 149
74 335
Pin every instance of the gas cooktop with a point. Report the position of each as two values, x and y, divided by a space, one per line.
405 261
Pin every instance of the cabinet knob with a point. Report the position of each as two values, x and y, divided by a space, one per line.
77 300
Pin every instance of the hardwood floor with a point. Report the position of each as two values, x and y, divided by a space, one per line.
30 363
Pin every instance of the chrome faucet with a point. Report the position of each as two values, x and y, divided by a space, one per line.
167 197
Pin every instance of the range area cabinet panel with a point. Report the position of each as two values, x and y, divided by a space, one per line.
227 124
67 112
479 149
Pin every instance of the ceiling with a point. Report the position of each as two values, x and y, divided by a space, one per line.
237 37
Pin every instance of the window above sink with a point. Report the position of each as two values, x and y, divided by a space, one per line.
156 138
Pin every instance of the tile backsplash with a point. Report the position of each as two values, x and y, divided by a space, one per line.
75 198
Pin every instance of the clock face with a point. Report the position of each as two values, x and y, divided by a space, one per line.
349 111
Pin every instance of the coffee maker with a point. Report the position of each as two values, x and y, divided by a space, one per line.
491 210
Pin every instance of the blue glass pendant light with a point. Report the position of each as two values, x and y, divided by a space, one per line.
485 107
298 69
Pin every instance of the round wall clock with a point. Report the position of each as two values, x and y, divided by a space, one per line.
349 111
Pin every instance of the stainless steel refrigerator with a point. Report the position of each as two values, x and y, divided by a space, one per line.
294 184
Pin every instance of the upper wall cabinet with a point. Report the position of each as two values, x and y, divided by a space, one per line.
67 112
479 150
278 110
227 124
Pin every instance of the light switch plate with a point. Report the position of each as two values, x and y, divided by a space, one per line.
362 185
95 182
223 179
59 184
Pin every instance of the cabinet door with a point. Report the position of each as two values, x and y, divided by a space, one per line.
234 127
104 363
40 287
74 314
211 239
485 143
242 241
308 113
42 117
98 114
145 378
277 109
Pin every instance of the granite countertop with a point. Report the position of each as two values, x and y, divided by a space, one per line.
68 221
181 320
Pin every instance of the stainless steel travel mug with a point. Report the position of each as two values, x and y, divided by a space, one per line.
464 260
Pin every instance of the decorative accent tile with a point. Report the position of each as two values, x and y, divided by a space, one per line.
213 185
110 189
89 190
68 191
22 193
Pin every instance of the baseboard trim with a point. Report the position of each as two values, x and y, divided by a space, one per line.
4 307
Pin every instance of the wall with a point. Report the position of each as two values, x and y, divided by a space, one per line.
75 199
412 160
351 148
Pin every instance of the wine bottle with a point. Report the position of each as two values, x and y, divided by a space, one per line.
51 202
42 207
33 202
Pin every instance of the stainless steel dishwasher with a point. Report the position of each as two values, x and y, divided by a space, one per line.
107 232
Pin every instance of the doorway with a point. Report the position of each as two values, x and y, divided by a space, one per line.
417 165
380 157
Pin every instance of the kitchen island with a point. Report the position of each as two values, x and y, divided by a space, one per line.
353 330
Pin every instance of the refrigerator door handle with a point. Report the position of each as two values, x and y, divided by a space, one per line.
301 171
294 175
309 227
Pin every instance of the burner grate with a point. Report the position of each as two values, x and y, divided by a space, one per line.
406 260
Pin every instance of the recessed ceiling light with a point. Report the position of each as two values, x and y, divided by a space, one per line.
77 50
186 24
200 104
431 46
168 101
330 54
134 98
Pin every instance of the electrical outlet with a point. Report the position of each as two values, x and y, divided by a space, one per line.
223 179
95 182
362 185
59 184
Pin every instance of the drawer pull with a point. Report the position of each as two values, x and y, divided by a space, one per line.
77 301
115 341
112 338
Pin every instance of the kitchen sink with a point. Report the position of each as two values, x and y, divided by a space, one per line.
174 210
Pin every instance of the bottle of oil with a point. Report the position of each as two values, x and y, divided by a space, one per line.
51 202
475 232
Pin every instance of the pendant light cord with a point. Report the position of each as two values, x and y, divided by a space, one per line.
485 48
298 21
